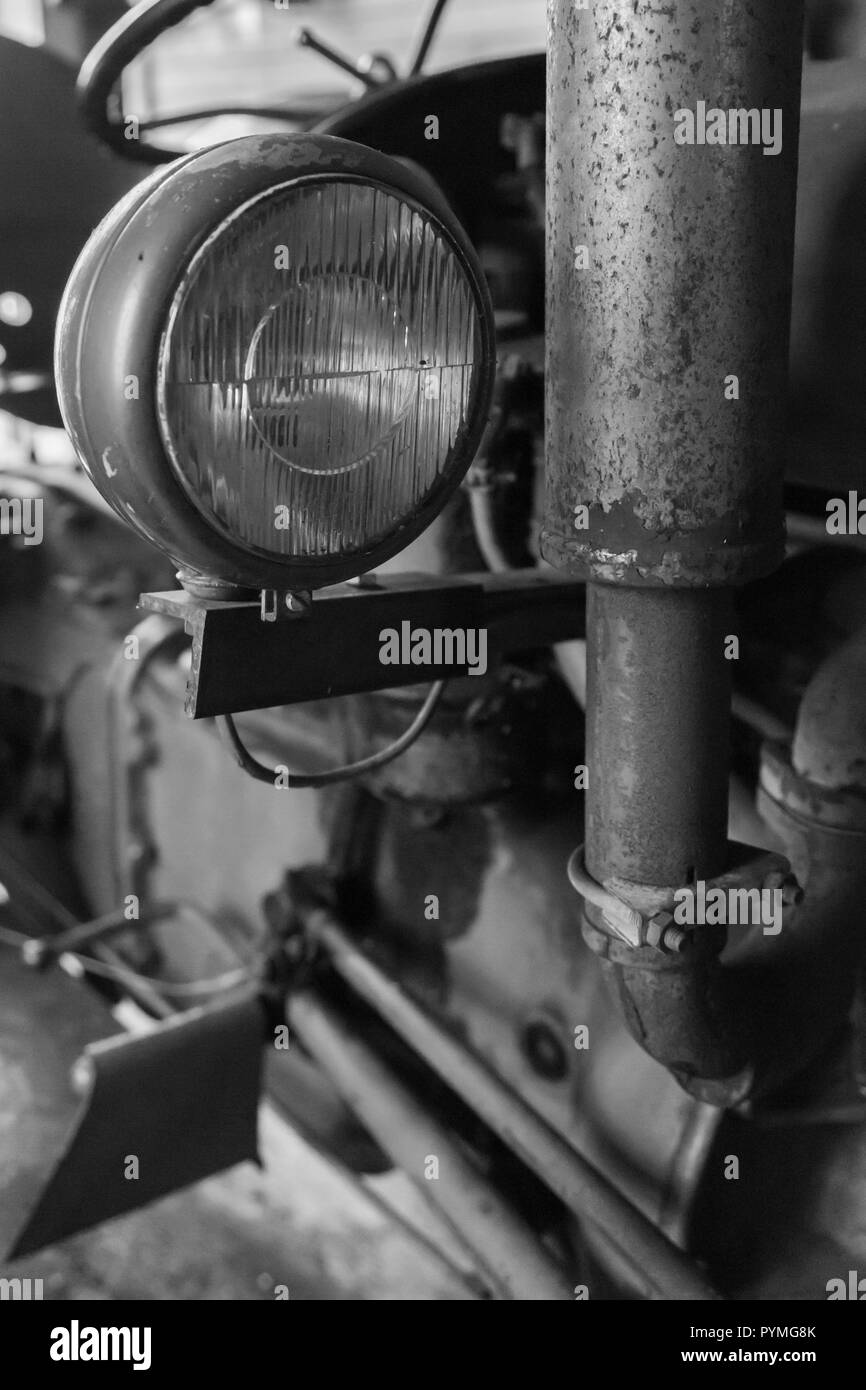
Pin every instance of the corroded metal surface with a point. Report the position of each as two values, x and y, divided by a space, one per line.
687 283
657 734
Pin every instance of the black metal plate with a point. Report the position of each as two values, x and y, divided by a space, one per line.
241 663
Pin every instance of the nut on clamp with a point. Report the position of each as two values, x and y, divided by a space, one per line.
619 918
643 914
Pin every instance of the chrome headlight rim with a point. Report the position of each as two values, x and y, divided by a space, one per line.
112 329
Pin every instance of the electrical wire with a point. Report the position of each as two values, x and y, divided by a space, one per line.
803 529
191 989
188 989
296 781
484 529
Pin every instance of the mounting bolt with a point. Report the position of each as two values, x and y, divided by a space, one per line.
663 933
675 940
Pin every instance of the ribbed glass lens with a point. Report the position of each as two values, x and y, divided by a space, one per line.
316 372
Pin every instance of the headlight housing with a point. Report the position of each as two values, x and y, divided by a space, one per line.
275 359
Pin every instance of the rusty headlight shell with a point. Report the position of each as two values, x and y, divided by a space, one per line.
275 359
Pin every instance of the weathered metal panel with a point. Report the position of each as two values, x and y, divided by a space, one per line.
182 1100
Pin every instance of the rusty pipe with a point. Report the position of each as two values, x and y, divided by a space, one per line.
658 703
669 270
671 190
812 793
513 1261
661 1269
746 1027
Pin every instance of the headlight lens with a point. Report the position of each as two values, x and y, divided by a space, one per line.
317 368
275 359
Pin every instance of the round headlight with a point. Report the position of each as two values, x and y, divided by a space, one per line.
275 359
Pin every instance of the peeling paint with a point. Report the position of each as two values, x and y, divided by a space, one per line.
689 280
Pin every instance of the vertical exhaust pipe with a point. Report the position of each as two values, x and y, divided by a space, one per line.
672 135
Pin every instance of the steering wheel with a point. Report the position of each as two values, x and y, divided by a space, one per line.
135 32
